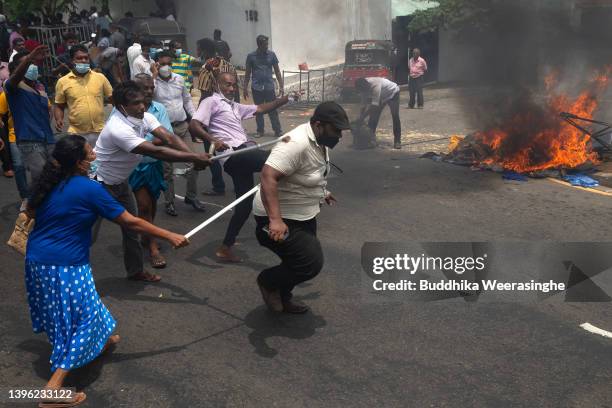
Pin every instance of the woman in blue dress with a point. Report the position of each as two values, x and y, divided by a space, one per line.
61 293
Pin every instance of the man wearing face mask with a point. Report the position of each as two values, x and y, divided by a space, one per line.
29 106
170 91
293 187
119 150
181 63
219 121
83 92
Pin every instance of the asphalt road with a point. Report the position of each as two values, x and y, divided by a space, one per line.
202 338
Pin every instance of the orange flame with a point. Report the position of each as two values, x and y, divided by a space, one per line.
557 145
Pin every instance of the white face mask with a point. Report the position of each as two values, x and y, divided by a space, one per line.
165 71
132 119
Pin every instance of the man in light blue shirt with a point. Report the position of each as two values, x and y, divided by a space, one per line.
260 63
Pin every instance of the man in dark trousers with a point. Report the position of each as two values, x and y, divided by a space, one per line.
293 187
375 94
418 67
219 121
260 63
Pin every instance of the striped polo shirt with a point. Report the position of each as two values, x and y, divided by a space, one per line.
182 65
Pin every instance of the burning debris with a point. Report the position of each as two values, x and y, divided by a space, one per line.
537 138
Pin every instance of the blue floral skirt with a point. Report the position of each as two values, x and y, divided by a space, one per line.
149 175
64 303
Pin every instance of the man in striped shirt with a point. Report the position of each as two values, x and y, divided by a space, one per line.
181 64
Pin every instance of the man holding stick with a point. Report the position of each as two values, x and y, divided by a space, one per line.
119 150
293 187
218 120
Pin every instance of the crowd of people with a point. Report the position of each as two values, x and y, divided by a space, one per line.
77 161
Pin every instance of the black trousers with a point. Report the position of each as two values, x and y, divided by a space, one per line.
301 255
415 86
397 124
241 168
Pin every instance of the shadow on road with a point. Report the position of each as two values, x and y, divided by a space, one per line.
207 251
266 324
122 289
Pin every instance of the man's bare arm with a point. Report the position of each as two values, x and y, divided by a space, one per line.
270 106
171 155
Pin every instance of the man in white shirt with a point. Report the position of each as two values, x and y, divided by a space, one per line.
375 94
293 187
119 150
142 63
171 92
132 53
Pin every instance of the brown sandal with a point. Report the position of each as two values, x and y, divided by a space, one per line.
158 262
78 399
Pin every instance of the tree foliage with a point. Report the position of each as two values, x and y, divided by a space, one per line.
46 8
454 14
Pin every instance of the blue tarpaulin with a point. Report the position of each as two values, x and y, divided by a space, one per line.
580 180
512 175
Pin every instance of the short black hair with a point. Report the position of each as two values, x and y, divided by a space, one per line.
77 48
162 54
147 42
125 91
261 38
17 59
217 32
207 46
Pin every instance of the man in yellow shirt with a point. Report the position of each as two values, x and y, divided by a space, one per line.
82 91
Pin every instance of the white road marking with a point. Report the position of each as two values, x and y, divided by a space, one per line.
590 328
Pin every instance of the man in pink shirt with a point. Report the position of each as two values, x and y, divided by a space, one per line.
418 68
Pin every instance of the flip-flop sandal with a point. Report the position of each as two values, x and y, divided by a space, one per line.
78 399
145 277
158 262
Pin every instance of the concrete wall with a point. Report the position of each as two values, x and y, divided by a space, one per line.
201 17
316 31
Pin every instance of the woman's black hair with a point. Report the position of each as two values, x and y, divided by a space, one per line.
68 151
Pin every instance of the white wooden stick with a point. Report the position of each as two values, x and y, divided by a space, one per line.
248 149
223 211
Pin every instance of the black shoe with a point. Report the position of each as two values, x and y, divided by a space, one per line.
196 204
397 145
170 210
278 134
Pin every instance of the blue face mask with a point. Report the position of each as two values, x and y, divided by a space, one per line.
81 68
153 52
32 72
178 52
